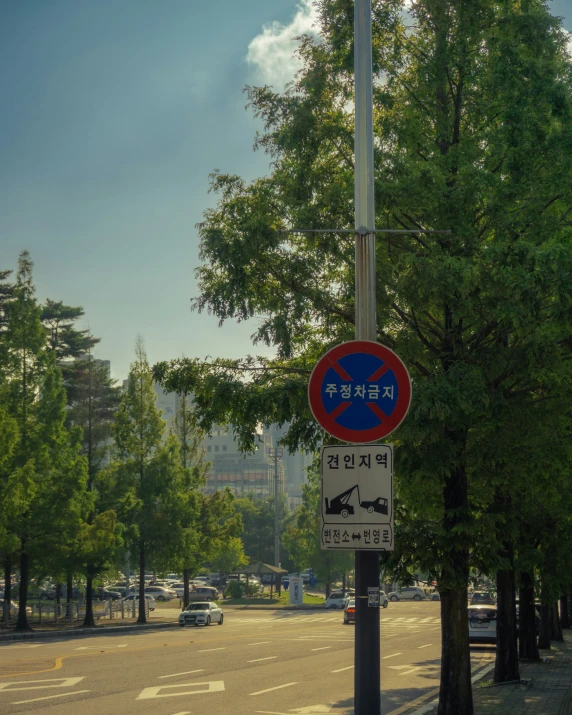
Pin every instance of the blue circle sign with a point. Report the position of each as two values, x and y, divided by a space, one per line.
359 391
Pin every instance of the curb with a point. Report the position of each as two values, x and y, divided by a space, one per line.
33 635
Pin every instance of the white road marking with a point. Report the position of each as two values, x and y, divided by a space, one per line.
208 650
424 646
184 712
174 675
405 669
324 647
340 670
66 682
214 686
257 660
100 647
393 655
269 690
27 645
259 643
49 697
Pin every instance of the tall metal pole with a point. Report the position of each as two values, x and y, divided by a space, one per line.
367 634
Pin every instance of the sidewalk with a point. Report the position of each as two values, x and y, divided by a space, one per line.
545 688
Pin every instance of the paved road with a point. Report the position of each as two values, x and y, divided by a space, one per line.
257 663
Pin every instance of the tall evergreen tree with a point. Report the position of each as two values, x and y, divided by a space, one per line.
64 338
146 474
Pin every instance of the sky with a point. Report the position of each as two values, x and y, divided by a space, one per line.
112 116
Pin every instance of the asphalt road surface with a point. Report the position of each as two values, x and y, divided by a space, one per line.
257 663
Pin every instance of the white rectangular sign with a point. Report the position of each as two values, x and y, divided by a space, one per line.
296 590
357 497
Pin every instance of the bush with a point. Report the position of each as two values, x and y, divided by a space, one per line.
234 589
252 588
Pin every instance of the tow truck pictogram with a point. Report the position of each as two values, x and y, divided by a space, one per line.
340 504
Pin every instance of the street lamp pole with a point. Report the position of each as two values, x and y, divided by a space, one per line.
367 635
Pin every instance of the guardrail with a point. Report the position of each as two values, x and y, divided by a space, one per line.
68 612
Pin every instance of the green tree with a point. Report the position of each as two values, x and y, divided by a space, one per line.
63 337
473 118
93 397
146 477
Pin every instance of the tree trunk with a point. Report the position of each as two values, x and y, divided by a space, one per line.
506 662
455 696
544 636
564 613
555 627
58 596
22 622
89 621
69 594
455 692
142 615
186 589
527 646
7 589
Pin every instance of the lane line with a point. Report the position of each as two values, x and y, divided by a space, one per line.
50 697
393 655
174 675
424 646
325 647
259 643
257 660
208 650
184 712
277 687
341 670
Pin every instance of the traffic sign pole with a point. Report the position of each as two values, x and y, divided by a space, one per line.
367 684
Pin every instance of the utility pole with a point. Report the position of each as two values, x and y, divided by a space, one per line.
367 685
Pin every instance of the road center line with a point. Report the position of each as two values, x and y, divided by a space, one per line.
185 712
340 670
260 643
207 650
424 646
50 697
325 647
277 687
257 660
393 655
174 675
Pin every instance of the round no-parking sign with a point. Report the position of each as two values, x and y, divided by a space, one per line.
359 391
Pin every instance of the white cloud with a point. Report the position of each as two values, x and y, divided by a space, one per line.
272 52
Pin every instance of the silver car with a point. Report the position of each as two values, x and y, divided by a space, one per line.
201 614
408 593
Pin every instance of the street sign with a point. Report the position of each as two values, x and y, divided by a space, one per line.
296 591
357 497
373 599
359 391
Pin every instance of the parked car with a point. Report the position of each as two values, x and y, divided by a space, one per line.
204 593
201 613
104 594
433 596
214 579
178 588
149 598
161 593
407 593
482 624
484 598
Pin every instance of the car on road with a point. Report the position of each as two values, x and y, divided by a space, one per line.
337 599
482 624
160 593
350 612
135 597
482 598
407 593
201 613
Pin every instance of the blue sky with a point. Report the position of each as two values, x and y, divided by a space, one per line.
113 114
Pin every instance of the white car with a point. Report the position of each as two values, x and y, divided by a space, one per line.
148 597
197 614
482 624
160 593
336 599
178 588
408 593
